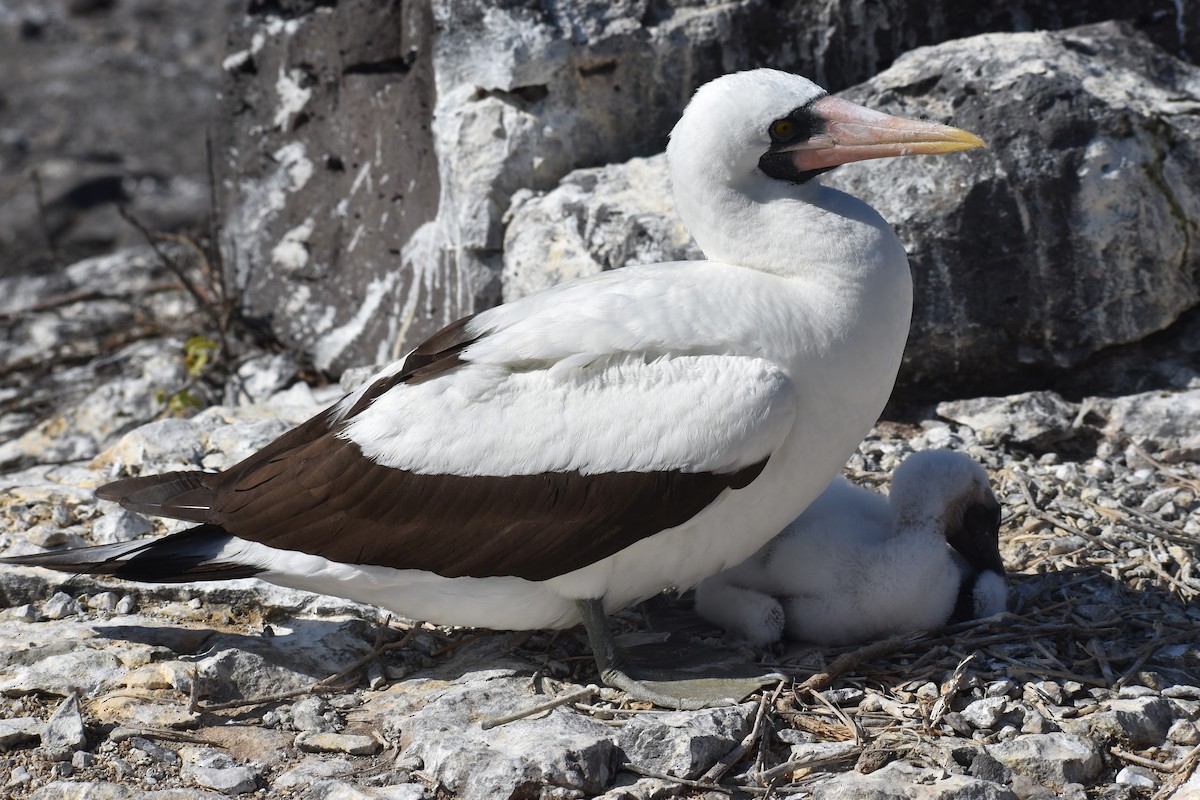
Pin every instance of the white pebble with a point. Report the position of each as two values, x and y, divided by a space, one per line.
1135 776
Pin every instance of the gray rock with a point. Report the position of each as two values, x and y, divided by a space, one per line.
61 605
563 751
355 745
104 790
1033 419
594 220
1054 759
311 771
119 525
685 743
1138 721
1184 732
1087 171
16 731
104 601
64 731
344 790
80 669
985 712
155 751
1137 777
211 769
308 715
900 781
242 667
1167 423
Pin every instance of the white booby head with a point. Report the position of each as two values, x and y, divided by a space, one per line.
856 566
756 139
589 445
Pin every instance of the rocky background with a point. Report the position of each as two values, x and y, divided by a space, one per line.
210 212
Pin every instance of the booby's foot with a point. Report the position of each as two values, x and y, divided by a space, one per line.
669 675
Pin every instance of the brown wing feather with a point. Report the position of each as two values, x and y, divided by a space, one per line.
330 500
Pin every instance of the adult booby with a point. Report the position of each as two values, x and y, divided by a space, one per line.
547 461
856 566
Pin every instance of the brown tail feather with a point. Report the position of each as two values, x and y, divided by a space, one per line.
179 495
180 557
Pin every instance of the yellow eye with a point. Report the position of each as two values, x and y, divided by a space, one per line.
782 129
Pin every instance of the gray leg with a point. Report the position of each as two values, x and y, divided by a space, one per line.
692 682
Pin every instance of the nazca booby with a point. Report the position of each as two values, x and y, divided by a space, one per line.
857 566
568 454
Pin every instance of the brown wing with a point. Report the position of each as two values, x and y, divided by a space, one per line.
329 500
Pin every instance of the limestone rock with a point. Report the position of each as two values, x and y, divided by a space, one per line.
898 781
1139 722
1070 233
595 219
560 750
17 731
685 743
1167 423
64 731
104 790
211 769
1032 419
1054 759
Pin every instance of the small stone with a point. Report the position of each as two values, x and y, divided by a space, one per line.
61 605
24 613
82 759
120 525
126 605
308 715
1184 732
19 777
1001 688
338 743
985 713
154 751
17 731
104 601
221 774
61 769
848 696
64 732
1135 690
1136 776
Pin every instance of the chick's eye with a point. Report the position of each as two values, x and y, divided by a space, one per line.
782 130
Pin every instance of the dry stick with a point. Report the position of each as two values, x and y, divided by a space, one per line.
662 776
562 699
807 762
848 661
1142 761
1181 770
1146 651
717 770
202 299
324 683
